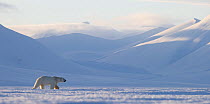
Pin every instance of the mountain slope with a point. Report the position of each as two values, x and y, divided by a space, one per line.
172 30
140 37
198 60
157 54
80 46
21 51
191 68
78 42
23 59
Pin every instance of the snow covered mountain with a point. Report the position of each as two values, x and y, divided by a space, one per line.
193 68
84 47
47 30
20 51
198 59
156 54
177 56
171 30
141 37
78 46
23 59
180 57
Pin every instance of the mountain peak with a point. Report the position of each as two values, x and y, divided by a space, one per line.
1 25
204 24
196 20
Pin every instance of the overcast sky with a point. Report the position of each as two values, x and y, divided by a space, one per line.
116 13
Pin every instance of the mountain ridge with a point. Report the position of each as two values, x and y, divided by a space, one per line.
158 52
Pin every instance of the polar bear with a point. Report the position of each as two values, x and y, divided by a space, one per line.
47 80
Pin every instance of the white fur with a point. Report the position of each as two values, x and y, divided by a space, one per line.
47 80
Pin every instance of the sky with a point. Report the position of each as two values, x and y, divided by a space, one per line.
121 14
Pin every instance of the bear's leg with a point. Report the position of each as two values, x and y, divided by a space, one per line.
56 87
35 86
52 86
41 86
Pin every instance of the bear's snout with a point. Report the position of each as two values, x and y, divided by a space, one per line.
64 80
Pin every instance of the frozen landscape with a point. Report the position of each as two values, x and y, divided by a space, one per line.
161 57
104 95
105 51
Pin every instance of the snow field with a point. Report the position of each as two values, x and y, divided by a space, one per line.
97 95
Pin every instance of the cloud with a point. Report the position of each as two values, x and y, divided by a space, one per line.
4 7
140 21
190 2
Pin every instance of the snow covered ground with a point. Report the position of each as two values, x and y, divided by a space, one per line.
99 95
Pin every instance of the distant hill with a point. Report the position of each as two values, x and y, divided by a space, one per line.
47 30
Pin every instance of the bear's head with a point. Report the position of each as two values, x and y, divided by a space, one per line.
60 79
